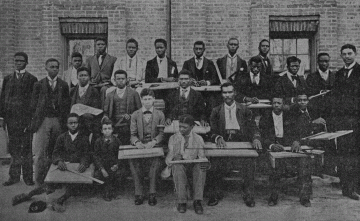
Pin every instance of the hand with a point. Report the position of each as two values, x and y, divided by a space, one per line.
104 173
203 123
319 121
127 116
277 148
257 144
295 147
254 100
62 166
168 122
170 79
150 144
220 143
114 168
202 83
205 166
139 145
81 168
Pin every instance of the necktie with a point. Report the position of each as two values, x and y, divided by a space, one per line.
52 84
81 92
198 62
100 60
183 94
294 77
346 72
254 79
232 65
160 61
130 63
19 75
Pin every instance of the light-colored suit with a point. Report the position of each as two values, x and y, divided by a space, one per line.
121 64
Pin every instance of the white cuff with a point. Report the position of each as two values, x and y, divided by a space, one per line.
217 137
208 83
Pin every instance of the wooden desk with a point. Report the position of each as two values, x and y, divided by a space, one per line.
131 152
233 149
55 175
174 85
258 106
328 136
174 128
207 88
203 160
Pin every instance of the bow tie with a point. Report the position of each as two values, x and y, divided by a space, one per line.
294 77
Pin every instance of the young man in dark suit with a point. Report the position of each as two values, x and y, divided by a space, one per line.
145 133
232 122
203 70
231 63
50 105
185 100
14 108
264 48
161 68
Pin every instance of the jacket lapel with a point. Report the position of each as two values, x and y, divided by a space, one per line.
105 61
223 67
156 66
238 63
222 119
193 66
205 64
140 125
76 93
127 95
154 123
331 78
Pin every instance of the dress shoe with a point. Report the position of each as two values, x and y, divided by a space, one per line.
352 195
10 182
181 207
249 201
213 201
198 207
273 200
152 199
139 199
305 202
107 196
20 198
29 182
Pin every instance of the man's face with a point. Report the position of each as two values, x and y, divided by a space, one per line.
294 67
147 101
302 101
84 78
255 67
72 124
131 49
185 129
120 80
199 50
228 94
76 62
20 63
323 62
107 130
52 68
264 47
184 80
277 105
233 46
348 56
160 49
100 47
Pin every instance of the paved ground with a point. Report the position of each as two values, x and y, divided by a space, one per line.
327 204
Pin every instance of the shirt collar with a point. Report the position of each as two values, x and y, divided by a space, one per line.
144 109
103 55
304 111
252 74
73 136
158 58
187 89
323 72
120 90
263 57
21 71
280 115
55 78
229 56
133 58
200 59
231 106
85 87
350 66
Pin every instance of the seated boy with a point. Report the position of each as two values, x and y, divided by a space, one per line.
145 133
187 145
106 158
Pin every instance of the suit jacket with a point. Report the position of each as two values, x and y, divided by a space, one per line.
106 154
100 74
132 99
267 70
248 129
92 96
152 70
208 71
196 105
136 126
121 63
27 85
316 83
77 151
241 66
245 88
285 88
39 98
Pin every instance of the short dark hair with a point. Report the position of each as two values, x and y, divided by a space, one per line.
264 40
302 92
161 40
51 60
132 40
322 54
187 119
120 72
278 97
348 46
233 38
80 69
106 121
22 54
185 72
226 84
292 59
101 39
255 59
72 115
76 55
147 92
199 43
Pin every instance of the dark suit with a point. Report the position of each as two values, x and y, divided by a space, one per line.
152 70
208 71
267 69
222 65
285 88
100 74
219 166
196 105
14 108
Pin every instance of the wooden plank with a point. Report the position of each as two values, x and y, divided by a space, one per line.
230 145
55 175
140 153
230 153
258 106
328 135
279 155
202 160
207 88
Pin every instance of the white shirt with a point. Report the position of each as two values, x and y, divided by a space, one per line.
231 64
292 81
231 122
131 66
351 68
82 90
199 62
324 75
257 78
73 76
73 136
163 67
120 92
22 72
187 91
278 125
52 80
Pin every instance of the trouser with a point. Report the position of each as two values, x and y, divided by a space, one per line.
20 151
303 167
137 168
349 177
109 182
221 166
181 175
43 146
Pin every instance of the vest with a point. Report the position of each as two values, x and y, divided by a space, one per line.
183 106
119 106
147 130
52 103
199 74
80 100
